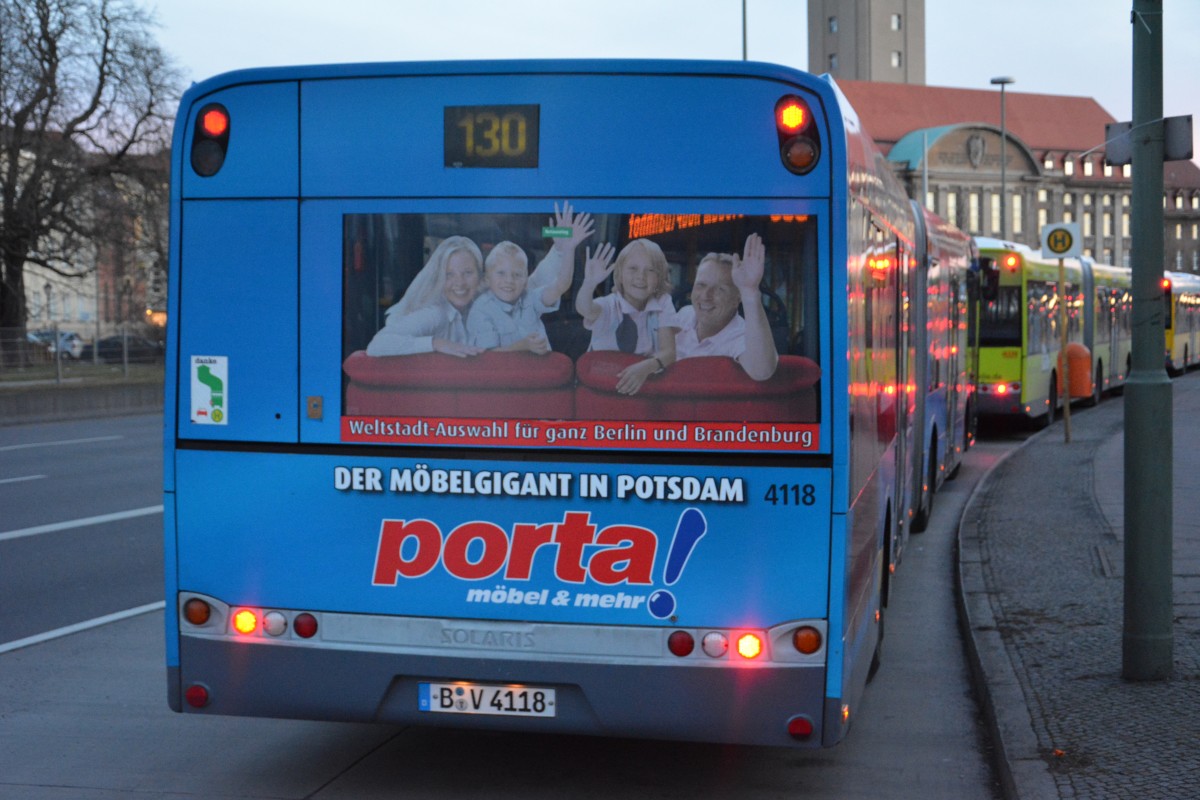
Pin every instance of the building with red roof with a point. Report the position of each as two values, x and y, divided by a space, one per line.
946 144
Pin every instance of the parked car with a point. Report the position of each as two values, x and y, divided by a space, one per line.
69 343
140 350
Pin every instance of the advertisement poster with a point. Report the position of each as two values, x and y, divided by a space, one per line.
604 543
581 331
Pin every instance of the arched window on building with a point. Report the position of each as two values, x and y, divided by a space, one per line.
1017 213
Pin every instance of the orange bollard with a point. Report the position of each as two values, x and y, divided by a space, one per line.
1079 370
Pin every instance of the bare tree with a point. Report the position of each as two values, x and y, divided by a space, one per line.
86 95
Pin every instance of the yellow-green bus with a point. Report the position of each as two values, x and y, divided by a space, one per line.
1182 320
1019 342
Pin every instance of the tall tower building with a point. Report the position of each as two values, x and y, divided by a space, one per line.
868 40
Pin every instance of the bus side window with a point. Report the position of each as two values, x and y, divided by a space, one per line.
989 285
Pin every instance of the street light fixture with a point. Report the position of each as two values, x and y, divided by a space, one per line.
1002 82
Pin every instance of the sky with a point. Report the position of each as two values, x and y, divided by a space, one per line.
1069 47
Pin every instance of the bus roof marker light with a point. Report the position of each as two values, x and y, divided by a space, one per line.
215 121
792 114
799 142
210 139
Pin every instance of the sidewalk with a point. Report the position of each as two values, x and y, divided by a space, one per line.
1041 595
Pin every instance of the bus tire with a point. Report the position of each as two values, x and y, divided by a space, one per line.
1097 386
885 581
877 656
1052 404
925 507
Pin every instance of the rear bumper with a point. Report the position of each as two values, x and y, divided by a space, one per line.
742 705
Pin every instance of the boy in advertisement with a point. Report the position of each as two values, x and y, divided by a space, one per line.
508 316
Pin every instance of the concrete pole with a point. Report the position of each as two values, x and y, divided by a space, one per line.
1148 641
744 53
1064 362
1002 82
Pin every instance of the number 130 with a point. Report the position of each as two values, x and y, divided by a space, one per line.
489 134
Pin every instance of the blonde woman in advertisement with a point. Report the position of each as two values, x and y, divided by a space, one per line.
431 316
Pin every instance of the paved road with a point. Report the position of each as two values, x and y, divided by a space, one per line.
84 716
60 562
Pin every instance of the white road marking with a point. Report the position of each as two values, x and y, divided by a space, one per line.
81 626
80 523
7 447
22 478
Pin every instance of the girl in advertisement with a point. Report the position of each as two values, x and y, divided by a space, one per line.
630 318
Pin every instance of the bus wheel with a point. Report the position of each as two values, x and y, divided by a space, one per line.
1098 386
925 508
1044 421
921 518
877 656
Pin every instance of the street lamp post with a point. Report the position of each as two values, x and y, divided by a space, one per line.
1002 82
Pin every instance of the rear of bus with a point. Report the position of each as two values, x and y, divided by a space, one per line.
1019 339
505 540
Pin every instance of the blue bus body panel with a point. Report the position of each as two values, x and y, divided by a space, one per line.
264 144
712 154
240 291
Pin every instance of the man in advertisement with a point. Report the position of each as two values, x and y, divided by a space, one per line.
711 326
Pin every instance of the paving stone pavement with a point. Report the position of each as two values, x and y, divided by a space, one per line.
1042 595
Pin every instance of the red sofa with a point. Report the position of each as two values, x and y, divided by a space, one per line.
495 385
710 388
526 386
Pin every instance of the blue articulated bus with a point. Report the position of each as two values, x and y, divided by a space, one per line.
535 396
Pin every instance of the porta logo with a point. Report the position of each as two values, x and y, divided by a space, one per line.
477 551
